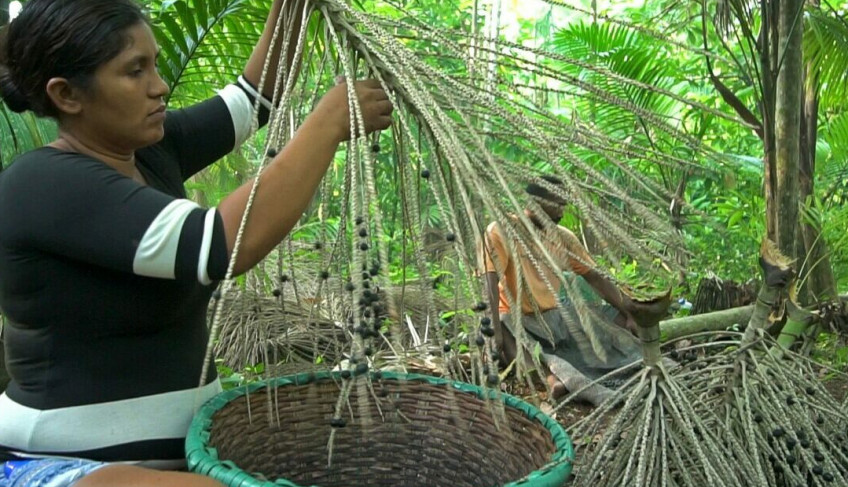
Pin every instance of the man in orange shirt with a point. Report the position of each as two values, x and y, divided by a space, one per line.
577 345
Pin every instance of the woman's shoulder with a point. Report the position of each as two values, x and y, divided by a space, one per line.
26 163
37 158
44 168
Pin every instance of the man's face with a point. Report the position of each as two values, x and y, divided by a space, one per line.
554 209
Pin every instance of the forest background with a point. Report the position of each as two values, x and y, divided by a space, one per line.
722 55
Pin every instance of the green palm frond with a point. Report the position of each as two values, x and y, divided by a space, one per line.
20 132
832 167
204 43
627 53
633 68
826 49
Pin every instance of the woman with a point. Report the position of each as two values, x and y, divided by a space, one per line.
106 269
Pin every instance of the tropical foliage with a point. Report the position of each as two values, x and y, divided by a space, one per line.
651 56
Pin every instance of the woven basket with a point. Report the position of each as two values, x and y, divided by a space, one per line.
405 430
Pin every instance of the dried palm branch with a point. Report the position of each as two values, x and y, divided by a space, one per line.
652 432
442 147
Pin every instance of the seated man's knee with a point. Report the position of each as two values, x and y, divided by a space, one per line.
131 476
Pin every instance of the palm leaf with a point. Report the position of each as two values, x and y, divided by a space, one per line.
826 50
832 169
624 52
204 43
20 132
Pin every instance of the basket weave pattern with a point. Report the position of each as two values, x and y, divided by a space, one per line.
398 433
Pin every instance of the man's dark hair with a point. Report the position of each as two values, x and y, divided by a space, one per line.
60 38
539 191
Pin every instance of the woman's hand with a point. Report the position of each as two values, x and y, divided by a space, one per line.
334 109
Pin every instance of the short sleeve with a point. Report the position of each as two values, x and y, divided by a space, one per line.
76 207
201 134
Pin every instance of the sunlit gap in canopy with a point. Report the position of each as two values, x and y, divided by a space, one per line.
14 9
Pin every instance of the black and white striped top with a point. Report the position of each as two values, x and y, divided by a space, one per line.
104 284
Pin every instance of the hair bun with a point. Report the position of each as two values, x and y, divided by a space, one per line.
11 94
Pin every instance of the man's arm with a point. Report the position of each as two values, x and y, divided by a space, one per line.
610 293
582 264
607 290
631 312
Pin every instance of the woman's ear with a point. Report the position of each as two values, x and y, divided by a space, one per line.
65 97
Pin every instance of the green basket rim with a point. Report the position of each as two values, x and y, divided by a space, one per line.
203 459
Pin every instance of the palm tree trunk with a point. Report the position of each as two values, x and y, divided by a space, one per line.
768 64
788 123
817 272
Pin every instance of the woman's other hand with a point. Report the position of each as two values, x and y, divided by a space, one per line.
373 101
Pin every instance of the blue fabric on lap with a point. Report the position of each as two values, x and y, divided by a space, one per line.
48 472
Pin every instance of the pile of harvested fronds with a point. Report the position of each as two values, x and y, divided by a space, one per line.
745 410
654 432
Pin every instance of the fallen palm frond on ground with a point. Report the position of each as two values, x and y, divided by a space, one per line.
653 432
772 400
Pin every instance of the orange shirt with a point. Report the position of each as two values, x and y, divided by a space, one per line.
567 253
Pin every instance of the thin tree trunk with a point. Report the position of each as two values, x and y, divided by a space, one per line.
4 375
768 65
715 321
677 202
816 270
788 123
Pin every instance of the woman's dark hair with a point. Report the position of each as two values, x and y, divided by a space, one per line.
60 38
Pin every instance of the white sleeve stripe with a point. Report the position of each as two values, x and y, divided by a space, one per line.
205 248
157 252
241 112
255 94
